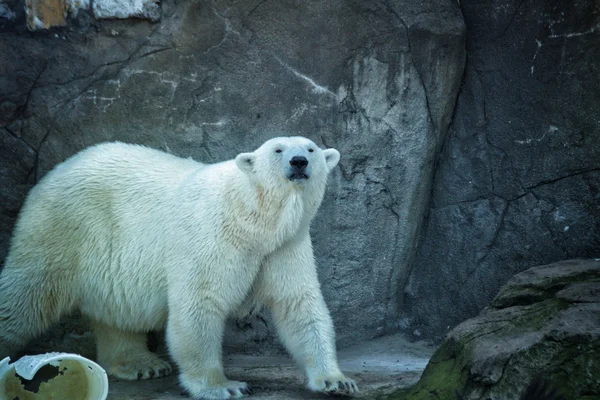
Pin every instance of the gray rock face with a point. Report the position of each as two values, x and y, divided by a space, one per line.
377 80
16 166
544 323
518 179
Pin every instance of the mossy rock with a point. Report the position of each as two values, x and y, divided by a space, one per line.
545 323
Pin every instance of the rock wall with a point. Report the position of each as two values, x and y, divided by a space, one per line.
518 180
377 80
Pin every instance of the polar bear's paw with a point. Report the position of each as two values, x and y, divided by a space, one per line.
336 384
139 366
225 390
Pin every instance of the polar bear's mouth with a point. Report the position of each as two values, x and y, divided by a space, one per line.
298 176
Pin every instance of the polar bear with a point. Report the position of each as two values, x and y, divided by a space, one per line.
139 240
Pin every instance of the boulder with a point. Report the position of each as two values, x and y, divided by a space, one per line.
544 324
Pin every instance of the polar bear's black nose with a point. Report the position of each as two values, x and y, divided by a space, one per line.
299 162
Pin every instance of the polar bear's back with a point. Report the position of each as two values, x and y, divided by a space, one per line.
119 165
110 179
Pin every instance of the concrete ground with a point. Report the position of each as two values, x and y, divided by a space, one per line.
378 366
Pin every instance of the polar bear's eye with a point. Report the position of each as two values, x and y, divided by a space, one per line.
311 150
278 151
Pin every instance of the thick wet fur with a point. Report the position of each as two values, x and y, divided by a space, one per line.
140 240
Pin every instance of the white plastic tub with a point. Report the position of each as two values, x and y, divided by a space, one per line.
52 376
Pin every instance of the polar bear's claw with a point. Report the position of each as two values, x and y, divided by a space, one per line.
336 386
246 391
226 390
145 366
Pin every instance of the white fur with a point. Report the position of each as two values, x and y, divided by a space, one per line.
140 240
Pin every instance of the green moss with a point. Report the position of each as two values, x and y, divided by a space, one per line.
442 377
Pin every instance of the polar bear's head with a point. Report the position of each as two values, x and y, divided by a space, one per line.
295 160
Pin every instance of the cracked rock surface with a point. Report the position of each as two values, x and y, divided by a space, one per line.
545 322
518 179
377 80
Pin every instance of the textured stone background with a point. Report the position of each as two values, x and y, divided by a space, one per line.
398 246
518 180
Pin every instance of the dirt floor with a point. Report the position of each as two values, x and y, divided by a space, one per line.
378 366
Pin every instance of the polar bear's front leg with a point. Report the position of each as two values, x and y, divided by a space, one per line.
289 286
307 331
197 313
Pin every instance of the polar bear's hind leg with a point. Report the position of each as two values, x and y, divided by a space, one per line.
30 303
125 355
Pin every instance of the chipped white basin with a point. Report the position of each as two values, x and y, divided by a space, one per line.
53 376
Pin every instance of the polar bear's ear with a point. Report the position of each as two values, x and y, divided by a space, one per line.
245 161
332 157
